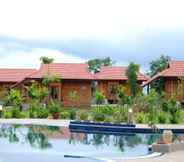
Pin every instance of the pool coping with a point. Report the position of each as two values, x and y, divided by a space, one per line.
152 155
49 122
105 128
61 122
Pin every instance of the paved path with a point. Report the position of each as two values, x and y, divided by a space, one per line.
171 157
164 126
66 123
50 122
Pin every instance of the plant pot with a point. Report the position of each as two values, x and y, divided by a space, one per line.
55 115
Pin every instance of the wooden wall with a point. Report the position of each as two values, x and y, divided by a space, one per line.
104 87
83 89
173 87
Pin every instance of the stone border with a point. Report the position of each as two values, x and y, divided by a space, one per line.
49 122
168 148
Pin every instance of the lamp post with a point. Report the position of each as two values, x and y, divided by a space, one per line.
1 110
130 116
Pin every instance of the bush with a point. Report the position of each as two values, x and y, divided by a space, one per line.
98 113
32 111
14 97
82 115
24 114
141 118
121 114
99 117
54 107
15 112
175 117
7 114
108 119
99 97
65 115
163 117
72 114
42 113
165 106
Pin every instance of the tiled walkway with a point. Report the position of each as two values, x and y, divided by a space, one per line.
50 122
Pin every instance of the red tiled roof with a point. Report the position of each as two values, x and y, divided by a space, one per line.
14 75
64 70
175 69
116 73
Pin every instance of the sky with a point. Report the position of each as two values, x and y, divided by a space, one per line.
78 30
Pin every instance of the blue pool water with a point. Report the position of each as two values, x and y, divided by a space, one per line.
21 143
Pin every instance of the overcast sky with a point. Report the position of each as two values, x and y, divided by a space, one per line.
77 30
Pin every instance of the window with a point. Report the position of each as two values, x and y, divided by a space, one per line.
112 88
54 92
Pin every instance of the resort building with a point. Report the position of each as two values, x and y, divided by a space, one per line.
9 77
73 77
110 77
172 78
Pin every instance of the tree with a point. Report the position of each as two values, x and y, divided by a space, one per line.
131 73
47 79
46 60
95 64
15 97
157 66
36 92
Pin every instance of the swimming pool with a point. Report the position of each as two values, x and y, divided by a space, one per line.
31 143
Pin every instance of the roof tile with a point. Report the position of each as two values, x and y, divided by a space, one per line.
14 75
175 69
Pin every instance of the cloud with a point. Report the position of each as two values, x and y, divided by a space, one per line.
84 19
24 59
126 31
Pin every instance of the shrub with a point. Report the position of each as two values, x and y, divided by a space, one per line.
32 111
98 113
54 107
15 97
121 95
24 114
72 114
165 106
82 115
108 119
15 112
175 117
42 113
99 117
7 114
141 117
107 109
121 114
65 115
99 97
163 117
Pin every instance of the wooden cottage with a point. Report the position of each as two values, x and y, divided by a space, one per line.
110 77
9 77
173 80
73 77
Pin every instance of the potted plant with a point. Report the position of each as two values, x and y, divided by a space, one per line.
54 108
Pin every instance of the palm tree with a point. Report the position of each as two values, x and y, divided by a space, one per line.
46 60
